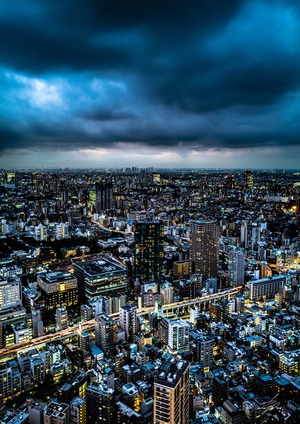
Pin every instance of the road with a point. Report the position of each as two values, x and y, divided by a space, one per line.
88 325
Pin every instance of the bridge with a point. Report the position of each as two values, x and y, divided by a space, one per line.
177 308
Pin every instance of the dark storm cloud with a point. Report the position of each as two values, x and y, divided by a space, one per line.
196 74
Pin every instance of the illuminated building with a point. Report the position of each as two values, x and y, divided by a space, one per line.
10 293
128 320
265 287
103 277
204 250
99 404
78 411
204 351
248 178
236 268
178 335
171 393
58 288
149 252
10 380
61 318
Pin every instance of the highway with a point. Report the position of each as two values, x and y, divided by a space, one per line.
88 325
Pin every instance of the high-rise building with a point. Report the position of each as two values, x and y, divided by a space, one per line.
78 411
10 380
248 178
204 351
236 268
149 252
178 335
204 250
99 404
171 393
104 277
61 318
104 196
128 320
104 333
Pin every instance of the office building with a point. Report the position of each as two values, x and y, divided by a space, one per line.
104 196
100 407
236 268
10 293
265 286
128 320
104 333
149 252
104 277
171 393
58 288
204 249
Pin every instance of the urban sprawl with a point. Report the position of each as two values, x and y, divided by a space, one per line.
149 296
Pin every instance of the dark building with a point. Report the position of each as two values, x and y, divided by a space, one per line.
100 406
104 333
149 252
220 390
204 250
104 196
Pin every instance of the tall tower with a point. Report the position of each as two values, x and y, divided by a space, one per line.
104 196
248 178
204 250
128 320
104 333
149 252
236 268
171 393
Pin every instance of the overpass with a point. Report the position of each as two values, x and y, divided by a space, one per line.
178 308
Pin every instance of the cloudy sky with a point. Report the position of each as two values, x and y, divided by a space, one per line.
185 83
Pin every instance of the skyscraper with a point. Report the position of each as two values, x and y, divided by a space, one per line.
204 249
236 268
104 196
128 320
149 251
171 393
104 333
248 178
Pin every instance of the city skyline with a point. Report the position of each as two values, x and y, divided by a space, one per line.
164 85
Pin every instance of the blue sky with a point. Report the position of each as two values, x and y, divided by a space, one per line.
150 83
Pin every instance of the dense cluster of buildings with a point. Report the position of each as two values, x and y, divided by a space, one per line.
141 296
